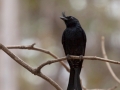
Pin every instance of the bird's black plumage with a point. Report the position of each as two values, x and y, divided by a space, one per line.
74 43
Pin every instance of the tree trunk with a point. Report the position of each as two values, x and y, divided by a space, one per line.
8 36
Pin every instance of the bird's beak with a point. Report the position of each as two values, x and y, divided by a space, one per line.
63 17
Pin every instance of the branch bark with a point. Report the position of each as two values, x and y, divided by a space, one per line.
32 47
37 70
29 68
107 63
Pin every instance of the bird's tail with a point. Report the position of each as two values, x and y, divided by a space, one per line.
77 84
71 79
74 80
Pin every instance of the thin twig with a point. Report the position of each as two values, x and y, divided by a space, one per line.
29 68
37 71
32 47
77 57
107 63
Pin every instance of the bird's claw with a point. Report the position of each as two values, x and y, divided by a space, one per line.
68 56
81 57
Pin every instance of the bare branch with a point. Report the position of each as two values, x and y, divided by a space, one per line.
17 59
29 68
32 47
107 63
53 83
77 57
37 71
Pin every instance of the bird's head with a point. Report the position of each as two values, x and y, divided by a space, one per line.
70 21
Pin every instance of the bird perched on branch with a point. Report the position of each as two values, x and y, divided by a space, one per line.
74 43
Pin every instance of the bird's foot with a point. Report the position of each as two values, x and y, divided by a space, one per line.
81 57
68 57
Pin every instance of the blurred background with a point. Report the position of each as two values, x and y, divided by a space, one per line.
24 22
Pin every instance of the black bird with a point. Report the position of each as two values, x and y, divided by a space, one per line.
74 43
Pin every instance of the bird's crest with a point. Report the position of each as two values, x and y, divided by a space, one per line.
63 14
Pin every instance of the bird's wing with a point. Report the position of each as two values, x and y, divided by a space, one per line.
85 40
64 42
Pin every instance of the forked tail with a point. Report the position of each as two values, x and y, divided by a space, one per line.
74 80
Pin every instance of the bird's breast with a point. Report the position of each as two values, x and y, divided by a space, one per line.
73 35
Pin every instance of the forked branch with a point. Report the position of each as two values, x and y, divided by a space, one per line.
37 70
